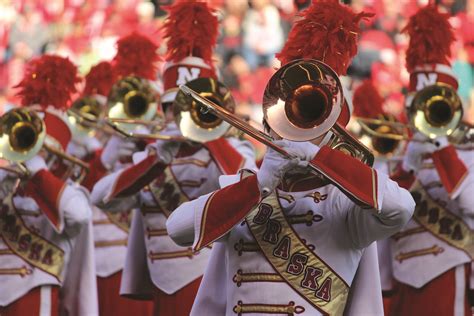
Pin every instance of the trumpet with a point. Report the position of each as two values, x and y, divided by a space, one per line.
22 136
307 109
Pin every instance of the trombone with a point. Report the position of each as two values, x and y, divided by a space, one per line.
109 125
296 107
131 102
434 111
22 136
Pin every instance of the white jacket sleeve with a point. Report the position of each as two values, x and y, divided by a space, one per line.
100 195
366 226
184 223
75 208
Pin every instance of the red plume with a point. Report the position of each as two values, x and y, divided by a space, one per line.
367 100
327 32
191 30
100 79
49 80
431 36
136 55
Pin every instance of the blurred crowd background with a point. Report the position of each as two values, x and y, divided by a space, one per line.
252 31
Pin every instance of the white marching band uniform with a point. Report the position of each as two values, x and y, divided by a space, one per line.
71 235
151 251
239 279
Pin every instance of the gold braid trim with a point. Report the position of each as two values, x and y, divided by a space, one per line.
110 243
435 250
23 271
289 309
172 254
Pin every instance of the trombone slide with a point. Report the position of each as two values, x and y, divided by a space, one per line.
260 136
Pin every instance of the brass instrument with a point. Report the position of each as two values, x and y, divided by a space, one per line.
23 135
194 122
81 113
436 110
303 100
385 134
463 135
131 98
308 94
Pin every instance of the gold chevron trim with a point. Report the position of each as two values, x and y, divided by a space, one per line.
435 250
289 309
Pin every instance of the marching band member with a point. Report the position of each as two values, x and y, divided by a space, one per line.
432 255
368 104
171 172
110 229
46 247
287 242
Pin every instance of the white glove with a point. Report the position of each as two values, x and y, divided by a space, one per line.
305 151
167 149
116 149
416 150
8 181
274 165
35 164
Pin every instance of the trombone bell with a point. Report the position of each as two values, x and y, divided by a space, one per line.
132 98
193 118
22 133
383 145
436 110
303 100
82 112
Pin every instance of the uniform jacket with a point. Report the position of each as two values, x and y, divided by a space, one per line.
59 213
239 278
152 255
418 256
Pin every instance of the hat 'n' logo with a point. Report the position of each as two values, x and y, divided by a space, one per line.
425 79
186 74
